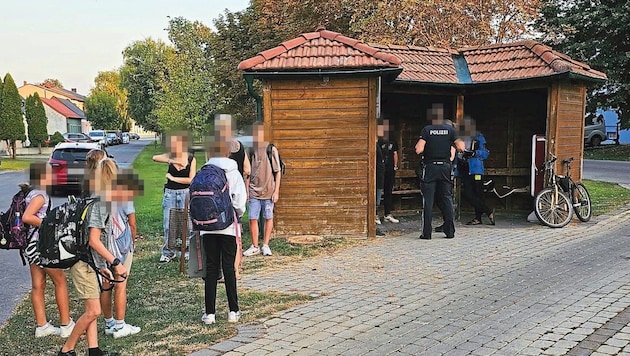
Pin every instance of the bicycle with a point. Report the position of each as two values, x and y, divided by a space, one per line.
554 205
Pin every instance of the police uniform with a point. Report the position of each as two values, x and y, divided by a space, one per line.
435 177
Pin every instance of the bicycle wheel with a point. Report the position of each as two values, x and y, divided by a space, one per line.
553 209
581 202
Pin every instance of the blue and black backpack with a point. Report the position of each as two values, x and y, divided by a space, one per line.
210 201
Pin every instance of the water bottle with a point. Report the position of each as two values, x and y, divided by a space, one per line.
17 224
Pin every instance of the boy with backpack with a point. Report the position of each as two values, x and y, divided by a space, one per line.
101 246
264 190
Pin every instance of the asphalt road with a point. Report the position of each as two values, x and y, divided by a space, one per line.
15 278
608 171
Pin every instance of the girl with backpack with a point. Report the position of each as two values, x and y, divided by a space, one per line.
37 204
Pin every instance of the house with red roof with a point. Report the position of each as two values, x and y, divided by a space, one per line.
50 91
324 92
63 116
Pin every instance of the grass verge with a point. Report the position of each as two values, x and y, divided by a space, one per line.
608 152
606 197
167 305
18 164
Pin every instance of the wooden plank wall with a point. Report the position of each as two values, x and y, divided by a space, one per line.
321 129
566 127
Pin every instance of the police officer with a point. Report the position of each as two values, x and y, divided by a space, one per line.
435 145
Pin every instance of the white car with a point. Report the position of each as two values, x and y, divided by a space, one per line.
125 137
99 136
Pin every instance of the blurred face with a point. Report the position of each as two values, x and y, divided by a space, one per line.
222 136
46 179
121 193
258 134
178 143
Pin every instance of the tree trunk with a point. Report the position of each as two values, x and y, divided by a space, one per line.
13 149
39 147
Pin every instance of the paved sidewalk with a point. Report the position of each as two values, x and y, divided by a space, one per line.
512 289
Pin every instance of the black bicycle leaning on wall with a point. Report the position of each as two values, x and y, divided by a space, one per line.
554 205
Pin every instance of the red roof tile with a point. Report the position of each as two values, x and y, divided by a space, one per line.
520 60
59 107
320 50
501 62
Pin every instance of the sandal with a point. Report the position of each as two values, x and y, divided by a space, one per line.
474 222
491 217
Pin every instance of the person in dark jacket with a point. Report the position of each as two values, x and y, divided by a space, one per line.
471 171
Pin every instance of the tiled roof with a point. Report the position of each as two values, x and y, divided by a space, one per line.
67 93
424 64
324 49
59 107
519 60
72 107
320 50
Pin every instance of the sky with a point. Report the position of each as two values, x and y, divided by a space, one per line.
73 40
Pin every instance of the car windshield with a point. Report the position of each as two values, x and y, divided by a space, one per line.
70 154
99 134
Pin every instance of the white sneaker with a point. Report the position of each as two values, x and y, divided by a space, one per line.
66 330
266 251
391 219
251 251
377 221
126 330
164 259
234 316
208 319
46 330
109 329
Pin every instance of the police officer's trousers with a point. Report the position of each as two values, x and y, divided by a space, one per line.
437 188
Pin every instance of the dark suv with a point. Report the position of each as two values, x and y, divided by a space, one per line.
68 164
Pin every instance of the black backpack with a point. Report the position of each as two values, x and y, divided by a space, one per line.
269 153
15 236
63 235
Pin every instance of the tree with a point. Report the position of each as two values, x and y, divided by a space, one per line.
189 100
11 120
36 120
596 32
51 83
110 82
100 110
143 75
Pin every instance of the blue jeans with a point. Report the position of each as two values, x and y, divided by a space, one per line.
173 198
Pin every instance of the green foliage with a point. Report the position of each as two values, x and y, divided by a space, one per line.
143 75
11 120
110 83
596 32
56 138
608 152
36 120
100 110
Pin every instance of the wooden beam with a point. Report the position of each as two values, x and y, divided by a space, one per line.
371 206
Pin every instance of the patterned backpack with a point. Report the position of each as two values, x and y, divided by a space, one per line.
14 233
210 201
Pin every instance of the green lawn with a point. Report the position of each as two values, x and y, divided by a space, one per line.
18 164
608 152
606 197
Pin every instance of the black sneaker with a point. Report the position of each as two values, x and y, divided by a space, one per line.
422 237
439 228
380 233
67 353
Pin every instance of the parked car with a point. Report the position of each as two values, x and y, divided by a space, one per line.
77 137
595 131
112 138
125 137
68 164
134 136
99 136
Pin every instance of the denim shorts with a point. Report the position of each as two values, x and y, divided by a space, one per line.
255 205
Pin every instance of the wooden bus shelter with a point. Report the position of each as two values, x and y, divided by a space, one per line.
324 92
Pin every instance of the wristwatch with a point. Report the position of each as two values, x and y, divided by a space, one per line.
115 263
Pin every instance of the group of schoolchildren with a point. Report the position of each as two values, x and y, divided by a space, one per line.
111 230
252 177
101 280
